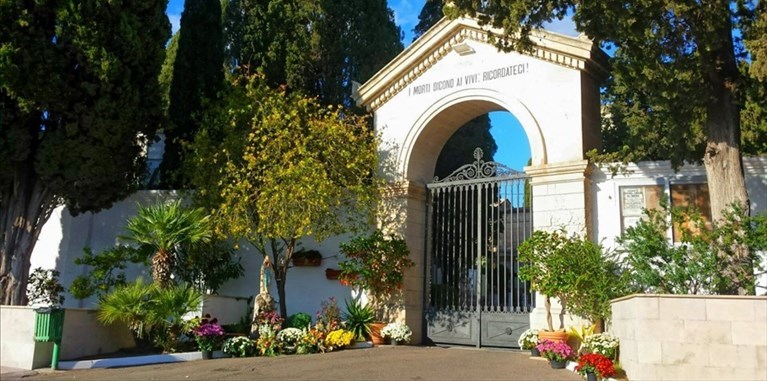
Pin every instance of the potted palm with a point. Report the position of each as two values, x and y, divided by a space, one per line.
376 264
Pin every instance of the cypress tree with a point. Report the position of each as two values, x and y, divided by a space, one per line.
198 74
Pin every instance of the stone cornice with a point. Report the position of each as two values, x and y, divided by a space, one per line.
576 53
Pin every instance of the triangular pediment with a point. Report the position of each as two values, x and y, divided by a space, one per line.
450 36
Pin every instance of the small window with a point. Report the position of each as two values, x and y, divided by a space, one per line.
686 195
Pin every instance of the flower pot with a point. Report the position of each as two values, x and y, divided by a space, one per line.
534 352
590 376
375 333
332 274
207 355
553 335
555 364
306 262
394 343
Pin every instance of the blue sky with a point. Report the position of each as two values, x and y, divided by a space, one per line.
513 147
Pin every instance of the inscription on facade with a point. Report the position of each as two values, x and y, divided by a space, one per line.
469 79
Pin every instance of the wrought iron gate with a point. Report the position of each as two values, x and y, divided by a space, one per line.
476 218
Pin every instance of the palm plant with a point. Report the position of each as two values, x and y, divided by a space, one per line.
130 304
359 318
164 227
152 313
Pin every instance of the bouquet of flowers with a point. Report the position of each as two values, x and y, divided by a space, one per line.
339 339
312 341
208 334
288 338
555 350
397 332
528 339
595 363
267 343
239 346
602 343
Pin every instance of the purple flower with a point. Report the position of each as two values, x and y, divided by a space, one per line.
209 330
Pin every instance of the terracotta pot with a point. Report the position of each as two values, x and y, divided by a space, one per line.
332 273
553 336
375 333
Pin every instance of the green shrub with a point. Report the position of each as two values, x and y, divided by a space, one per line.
359 318
300 320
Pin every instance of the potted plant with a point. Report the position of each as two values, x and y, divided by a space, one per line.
602 343
528 340
338 338
376 264
397 333
208 335
239 346
557 352
595 366
288 339
551 266
307 258
359 319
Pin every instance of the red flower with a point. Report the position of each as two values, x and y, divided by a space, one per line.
596 363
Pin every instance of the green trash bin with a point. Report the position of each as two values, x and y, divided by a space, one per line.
49 324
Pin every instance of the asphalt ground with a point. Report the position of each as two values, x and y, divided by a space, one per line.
379 363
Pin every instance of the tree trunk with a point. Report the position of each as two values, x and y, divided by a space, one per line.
281 273
548 314
726 181
26 206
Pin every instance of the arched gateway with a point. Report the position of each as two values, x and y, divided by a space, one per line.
444 79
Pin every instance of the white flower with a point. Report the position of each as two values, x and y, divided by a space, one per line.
528 339
397 332
290 336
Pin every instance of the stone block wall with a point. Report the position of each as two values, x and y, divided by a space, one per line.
692 337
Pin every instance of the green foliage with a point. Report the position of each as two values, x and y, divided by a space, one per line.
163 227
207 265
572 269
701 261
151 312
271 36
271 165
198 74
359 319
375 263
44 288
79 100
105 270
430 14
351 41
300 320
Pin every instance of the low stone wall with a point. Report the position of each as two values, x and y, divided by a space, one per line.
227 309
692 337
82 336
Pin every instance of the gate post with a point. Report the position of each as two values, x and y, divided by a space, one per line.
402 211
561 199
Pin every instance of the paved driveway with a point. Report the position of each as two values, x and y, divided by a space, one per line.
380 363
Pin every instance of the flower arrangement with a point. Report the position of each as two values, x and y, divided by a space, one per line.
312 341
267 342
595 363
329 317
338 339
397 332
270 318
289 338
239 346
555 350
602 343
528 339
208 334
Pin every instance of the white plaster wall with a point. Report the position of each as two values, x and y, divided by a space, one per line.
606 205
63 238
18 348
